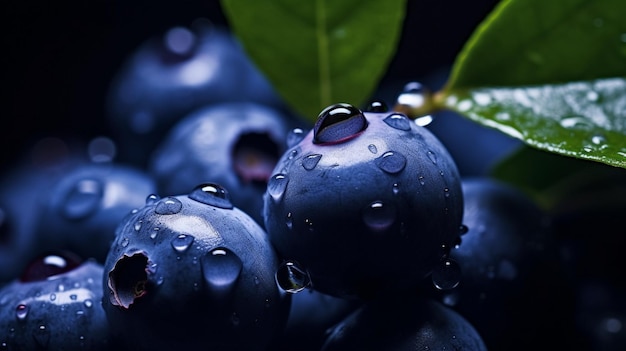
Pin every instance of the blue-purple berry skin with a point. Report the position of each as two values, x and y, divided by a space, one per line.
193 272
404 323
60 312
366 202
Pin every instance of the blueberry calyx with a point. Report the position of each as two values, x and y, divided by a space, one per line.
128 279
338 123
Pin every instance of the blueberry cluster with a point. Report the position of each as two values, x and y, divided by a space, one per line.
215 218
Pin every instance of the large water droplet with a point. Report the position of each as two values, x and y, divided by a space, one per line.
310 161
338 123
379 216
83 199
21 311
295 136
447 274
168 206
212 194
391 162
292 278
181 242
398 121
221 269
277 185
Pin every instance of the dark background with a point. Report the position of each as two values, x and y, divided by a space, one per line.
59 56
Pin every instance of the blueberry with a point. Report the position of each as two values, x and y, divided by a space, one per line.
81 211
510 276
55 305
404 323
193 272
234 144
366 202
170 75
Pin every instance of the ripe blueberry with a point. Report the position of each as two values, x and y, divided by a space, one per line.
366 202
193 272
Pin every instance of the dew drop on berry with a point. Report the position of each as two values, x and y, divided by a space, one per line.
395 188
292 278
53 296
391 162
295 136
221 269
463 229
137 225
398 121
21 311
181 242
168 206
289 220
88 303
49 265
277 185
310 161
338 123
211 194
42 336
152 199
447 274
124 242
83 199
153 233
372 148
432 157
377 107
379 216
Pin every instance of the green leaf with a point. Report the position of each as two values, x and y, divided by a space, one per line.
321 52
551 73
557 182
580 119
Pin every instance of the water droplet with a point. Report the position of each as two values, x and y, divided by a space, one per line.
421 180
398 121
124 242
73 297
377 107
181 242
21 311
234 319
168 206
294 137
137 225
372 148
447 274
292 278
289 221
391 162
575 122
395 188
414 95
53 297
423 121
154 233
83 199
277 185
212 194
432 157
42 336
88 303
379 216
446 192
310 161
463 229
592 96
152 199
221 269
338 123
598 139
464 105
